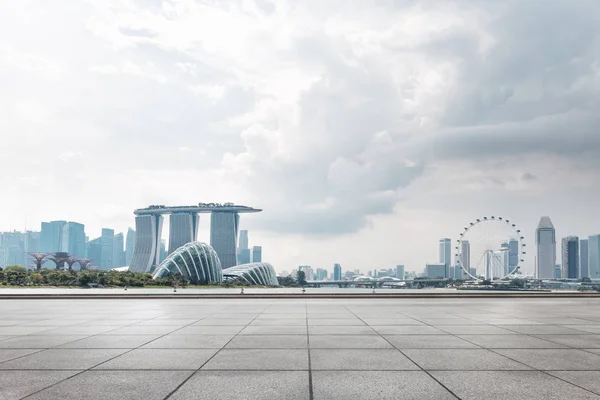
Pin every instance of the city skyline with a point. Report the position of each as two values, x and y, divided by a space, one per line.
366 132
62 226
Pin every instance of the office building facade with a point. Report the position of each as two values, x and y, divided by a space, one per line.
223 236
400 271
584 270
545 239
594 256
438 270
570 257
256 254
445 254
108 237
337 272
73 239
51 236
129 246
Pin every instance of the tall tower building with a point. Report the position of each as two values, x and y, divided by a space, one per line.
545 239
73 239
118 252
224 227
570 257
108 237
465 251
129 246
400 271
256 254
337 272
51 236
146 253
445 254
243 239
183 228
513 254
583 259
594 256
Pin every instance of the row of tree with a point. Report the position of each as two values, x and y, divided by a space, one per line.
16 275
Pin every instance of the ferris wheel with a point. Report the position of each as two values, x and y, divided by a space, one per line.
490 248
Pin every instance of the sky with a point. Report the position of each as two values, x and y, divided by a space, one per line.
365 129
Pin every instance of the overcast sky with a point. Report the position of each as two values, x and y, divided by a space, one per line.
365 129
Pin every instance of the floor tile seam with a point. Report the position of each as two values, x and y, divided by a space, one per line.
414 363
91 368
25 355
566 345
310 377
546 372
533 335
205 363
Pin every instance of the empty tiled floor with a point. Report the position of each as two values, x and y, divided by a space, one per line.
300 349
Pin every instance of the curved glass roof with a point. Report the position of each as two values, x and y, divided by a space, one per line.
195 261
259 273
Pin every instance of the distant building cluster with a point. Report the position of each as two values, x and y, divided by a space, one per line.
108 251
579 258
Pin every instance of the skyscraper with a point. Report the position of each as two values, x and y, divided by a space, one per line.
570 257
243 256
12 246
545 239
94 252
118 253
107 237
183 229
129 246
513 255
465 252
31 242
224 227
400 271
445 254
256 254
73 239
337 272
243 239
51 236
583 259
594 256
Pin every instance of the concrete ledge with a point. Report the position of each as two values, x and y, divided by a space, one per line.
183 295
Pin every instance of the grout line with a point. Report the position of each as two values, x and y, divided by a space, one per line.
308 349
105 361
207 361
410 359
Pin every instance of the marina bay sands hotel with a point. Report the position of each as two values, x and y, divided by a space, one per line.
183 228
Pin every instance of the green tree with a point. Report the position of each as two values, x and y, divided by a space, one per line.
301 278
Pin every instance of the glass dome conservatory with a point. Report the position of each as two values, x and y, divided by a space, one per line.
195 261
259 273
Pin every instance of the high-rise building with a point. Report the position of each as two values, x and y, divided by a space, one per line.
400 271
12 245
129 246
465 252
256 254
570 257
583 259
73 239
244 256
118 252
594 256
321 274
223 236
94 252
107 237
183 229
513 255
337 272
445 254
146 251
51 236
545 239
458 272
243 239
557 271
434 271
32 242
